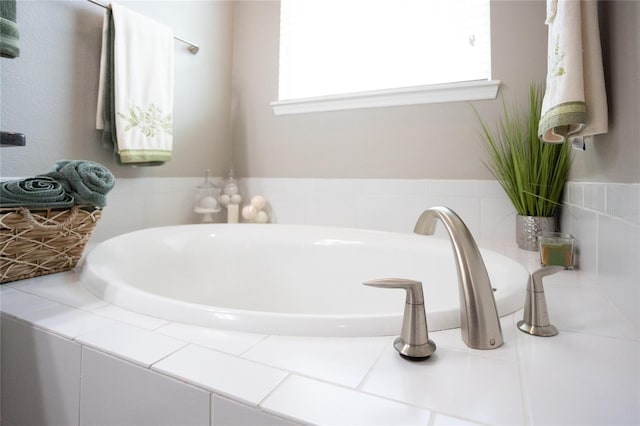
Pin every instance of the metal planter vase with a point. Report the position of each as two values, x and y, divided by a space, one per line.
529 227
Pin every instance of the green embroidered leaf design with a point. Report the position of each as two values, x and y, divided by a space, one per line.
557 69
150 121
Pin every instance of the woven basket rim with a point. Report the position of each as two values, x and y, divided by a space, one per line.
87 207
38 245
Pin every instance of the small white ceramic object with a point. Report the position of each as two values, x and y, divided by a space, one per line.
259 202
248 212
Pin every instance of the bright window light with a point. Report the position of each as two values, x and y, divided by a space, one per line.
331 47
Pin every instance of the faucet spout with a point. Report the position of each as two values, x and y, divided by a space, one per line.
479 321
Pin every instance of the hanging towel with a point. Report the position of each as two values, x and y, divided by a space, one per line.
575 100
135 108
88 182
9 34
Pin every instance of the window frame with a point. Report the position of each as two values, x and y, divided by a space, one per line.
456 91
436 93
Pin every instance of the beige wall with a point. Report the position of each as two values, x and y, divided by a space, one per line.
50 91
426 141
615 157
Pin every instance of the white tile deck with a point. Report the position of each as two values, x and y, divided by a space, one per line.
234 343
230 376
131 343
457 384
343 361
311 401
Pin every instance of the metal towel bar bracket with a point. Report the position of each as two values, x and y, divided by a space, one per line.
193 48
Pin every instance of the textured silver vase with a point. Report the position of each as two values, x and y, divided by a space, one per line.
529 227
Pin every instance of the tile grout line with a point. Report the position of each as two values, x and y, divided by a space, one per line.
80 382
366 375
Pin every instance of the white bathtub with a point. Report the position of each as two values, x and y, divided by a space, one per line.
286 279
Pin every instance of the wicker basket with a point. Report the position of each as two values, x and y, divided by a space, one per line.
43 241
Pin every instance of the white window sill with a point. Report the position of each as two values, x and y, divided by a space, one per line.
450 92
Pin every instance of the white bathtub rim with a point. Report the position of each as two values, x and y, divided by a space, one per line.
274 323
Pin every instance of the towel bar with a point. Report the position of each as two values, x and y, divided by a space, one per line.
193 48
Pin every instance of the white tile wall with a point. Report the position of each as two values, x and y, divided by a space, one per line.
383 204
145 202
623 201
618 263
115 392
43 371
605 220
230 413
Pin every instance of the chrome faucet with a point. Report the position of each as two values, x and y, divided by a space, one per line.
479 319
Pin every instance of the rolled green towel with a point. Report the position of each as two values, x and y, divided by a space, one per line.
35 192
9 34
87 181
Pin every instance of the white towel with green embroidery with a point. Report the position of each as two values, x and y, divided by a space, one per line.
143 74
575 100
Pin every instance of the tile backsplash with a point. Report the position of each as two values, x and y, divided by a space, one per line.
603 217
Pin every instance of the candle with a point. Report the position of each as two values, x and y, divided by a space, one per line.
556 249
232 213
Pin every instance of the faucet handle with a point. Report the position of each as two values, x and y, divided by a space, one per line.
415 295
414 343
535 280
536 315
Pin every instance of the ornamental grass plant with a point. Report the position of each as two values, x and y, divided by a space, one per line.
531 172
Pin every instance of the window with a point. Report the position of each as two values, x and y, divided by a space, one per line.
374 49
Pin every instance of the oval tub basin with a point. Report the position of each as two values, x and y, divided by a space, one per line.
287 279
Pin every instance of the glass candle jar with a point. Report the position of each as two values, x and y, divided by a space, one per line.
207 198
556 248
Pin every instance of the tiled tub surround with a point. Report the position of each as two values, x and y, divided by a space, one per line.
605 219
380 204
69 358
